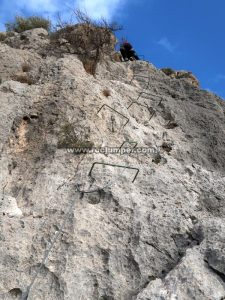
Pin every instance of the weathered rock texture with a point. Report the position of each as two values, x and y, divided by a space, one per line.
68 235
182 74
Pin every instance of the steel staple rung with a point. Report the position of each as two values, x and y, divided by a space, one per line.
137 104
148 108
143 76
87 192
147 83
139 71
135 144
116 166
153 95
114 111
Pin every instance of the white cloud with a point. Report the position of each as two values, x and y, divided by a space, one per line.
38 5
33 6
100 8
49 8
165 43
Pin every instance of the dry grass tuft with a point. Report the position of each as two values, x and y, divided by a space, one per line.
106 93
168 71
21 24
69 139
2 36
23 78
26 67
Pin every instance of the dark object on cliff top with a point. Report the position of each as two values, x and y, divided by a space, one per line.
128 52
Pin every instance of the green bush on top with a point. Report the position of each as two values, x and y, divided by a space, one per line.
22 24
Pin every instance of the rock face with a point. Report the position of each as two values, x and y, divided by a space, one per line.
146 223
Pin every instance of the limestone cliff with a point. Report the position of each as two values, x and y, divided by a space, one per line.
146 223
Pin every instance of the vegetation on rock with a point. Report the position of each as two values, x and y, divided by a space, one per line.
21 24
69 139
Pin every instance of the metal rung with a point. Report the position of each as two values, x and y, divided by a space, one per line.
135 144
136 69
146 106
153 95
135 102
140 76
88 192
143 76
116 166
152 115
114 111
171 124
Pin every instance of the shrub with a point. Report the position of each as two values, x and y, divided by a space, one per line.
167 71
2 36
68 139
83 18
167 147
23 78
104 298
10 34
88 39
15 293
26 67
22 24
157 159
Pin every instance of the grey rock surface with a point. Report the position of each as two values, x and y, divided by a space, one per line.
67 234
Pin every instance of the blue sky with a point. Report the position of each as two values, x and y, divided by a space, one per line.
181 34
